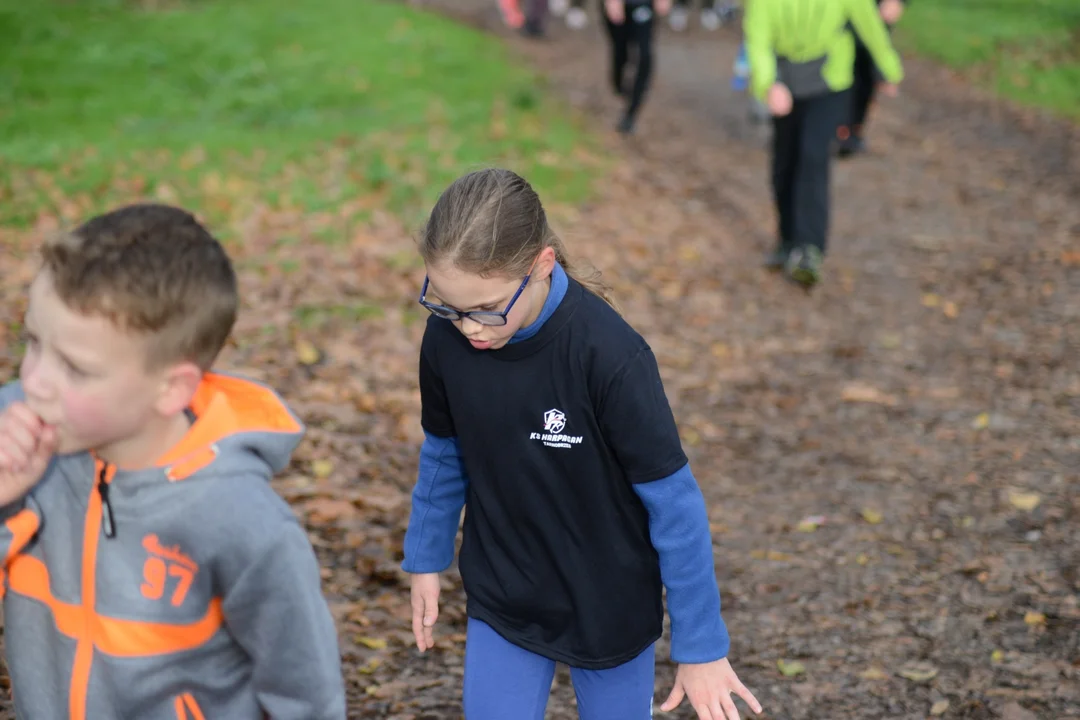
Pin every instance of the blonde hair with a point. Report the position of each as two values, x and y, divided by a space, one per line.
149 269
491 222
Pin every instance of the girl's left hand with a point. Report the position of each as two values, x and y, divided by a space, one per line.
663 7
709 687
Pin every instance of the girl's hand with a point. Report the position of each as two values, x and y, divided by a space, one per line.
779 100
663 7
709 687
615 11
425 608
889 89
891 11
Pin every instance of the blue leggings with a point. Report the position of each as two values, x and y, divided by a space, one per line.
504 681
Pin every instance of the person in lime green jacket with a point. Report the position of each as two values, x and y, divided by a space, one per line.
802 56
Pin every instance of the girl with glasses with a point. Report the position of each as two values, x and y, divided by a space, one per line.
544 415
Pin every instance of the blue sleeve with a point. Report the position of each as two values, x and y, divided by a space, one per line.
679 529
437 501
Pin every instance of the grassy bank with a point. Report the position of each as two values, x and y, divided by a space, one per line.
1025 50
336 105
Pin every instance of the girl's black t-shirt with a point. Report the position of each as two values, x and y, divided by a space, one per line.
554 431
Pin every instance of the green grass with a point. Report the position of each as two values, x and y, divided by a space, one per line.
1026 50
307 106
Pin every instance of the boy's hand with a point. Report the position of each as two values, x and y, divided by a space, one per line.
663 7
26 447
891 11
779 100
425 608
615 11
889 89
709 687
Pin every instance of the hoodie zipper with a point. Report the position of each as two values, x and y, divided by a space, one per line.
108 522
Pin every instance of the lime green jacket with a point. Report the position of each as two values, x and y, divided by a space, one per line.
805 30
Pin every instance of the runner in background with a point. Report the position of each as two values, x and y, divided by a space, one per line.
530 21
850 133
577 18
630 23
714 13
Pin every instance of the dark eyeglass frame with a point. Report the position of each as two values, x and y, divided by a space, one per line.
483 317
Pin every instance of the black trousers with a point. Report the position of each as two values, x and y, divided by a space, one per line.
866 78
705 4
801 155
637 30
862 89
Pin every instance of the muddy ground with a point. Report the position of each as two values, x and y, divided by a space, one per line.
892 462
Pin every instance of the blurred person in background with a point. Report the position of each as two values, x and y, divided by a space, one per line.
802 70
867 77
714 13
630 23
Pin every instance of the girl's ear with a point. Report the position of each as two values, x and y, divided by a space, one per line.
545 264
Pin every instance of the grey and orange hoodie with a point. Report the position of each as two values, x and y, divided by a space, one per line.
187 591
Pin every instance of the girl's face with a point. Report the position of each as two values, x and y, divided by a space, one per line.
462 291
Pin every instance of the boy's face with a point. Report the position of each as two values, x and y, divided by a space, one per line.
85 376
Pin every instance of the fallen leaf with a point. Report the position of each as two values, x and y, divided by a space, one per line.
1070 257
872 516
810 523
307 353
981 421
1034 618
857 392
939 708
997 656
327 510
322 468
1016 711
930 300
874 673
951 310
372 665
373 643
917 671
790 668
1026 501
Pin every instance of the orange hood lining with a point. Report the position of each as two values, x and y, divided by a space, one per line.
225 406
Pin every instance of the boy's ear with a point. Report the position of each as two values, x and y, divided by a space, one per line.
179 384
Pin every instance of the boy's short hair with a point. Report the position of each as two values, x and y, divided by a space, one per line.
150 269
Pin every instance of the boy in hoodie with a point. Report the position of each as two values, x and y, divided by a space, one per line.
149 570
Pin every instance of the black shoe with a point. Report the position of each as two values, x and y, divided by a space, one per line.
626 124
851 146
777 259
804 265
532 29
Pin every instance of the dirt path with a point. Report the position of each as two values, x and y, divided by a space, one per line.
892 462
918 400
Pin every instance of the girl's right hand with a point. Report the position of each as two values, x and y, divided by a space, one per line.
779 99
425 608
615 10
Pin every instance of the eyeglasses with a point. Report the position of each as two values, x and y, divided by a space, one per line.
483 317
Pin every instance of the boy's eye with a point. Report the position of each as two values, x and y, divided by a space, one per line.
75 371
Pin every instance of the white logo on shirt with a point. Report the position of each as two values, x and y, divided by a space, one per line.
642 15
554 421
554 424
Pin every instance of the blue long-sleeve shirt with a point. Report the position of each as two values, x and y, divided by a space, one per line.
678 528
